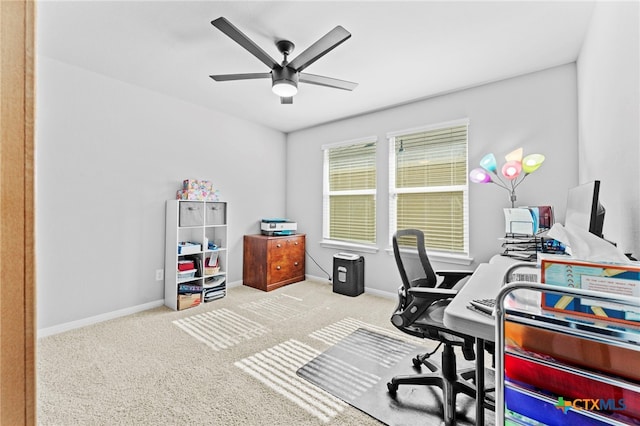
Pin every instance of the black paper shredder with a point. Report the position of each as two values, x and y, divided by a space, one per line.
348 274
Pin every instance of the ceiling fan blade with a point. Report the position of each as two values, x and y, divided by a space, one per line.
288 100
330 41
250 76
236 35
327 81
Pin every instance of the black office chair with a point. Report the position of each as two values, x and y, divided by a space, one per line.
420 311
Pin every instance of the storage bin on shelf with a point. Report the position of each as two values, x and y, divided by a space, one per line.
186 247
200 190
212 264
189 300
215 213
185 265
186 275
211 270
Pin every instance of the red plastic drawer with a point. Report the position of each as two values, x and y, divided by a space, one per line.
574 350
569 385
185 265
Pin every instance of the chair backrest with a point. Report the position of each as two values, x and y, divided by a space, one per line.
425 276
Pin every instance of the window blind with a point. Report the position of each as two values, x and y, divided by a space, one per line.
352 167
350 189
432 159
428 181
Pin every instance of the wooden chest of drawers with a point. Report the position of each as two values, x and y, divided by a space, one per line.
272 262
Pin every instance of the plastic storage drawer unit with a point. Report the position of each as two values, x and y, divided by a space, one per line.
348 274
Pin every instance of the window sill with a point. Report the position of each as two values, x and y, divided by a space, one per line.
439 257
349 246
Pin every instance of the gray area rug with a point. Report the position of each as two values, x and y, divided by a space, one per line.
357 369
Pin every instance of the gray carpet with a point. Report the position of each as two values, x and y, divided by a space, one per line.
357 369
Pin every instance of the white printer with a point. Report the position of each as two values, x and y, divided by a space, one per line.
278 226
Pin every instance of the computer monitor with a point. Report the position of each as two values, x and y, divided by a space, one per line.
584 209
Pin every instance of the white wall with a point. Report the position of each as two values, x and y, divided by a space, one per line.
108 155
536 111
609 111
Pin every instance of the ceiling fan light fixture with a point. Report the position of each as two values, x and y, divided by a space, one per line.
285 82
284 88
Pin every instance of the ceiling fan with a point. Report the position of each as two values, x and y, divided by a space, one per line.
285 76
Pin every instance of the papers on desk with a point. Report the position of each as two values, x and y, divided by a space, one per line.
519 221
522 247
528 220
584 245
524 228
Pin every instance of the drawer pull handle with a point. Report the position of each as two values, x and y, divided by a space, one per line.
296 243
278 245
295 263
278 267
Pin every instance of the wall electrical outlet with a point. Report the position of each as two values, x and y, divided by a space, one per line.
159 274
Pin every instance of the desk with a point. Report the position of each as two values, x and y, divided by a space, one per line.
485 283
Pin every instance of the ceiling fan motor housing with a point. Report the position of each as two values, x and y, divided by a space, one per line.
278 74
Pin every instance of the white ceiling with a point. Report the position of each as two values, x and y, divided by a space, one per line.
398 52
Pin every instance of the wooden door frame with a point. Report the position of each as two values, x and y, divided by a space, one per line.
17 218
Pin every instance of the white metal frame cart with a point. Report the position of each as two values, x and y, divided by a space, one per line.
557 368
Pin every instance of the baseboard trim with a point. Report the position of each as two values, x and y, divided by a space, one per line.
72 325
61 328
373 291
317 279
234 284
381 293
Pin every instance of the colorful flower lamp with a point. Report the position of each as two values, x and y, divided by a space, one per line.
512 170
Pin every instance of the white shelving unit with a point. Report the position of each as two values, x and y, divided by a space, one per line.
203 224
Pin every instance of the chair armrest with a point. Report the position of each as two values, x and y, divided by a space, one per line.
451 278
454 272
421 299
432 294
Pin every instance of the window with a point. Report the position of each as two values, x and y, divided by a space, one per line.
428 185
350 191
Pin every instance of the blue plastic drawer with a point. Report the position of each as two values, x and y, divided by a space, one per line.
541 409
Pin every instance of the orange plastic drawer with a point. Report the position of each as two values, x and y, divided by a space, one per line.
574 350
